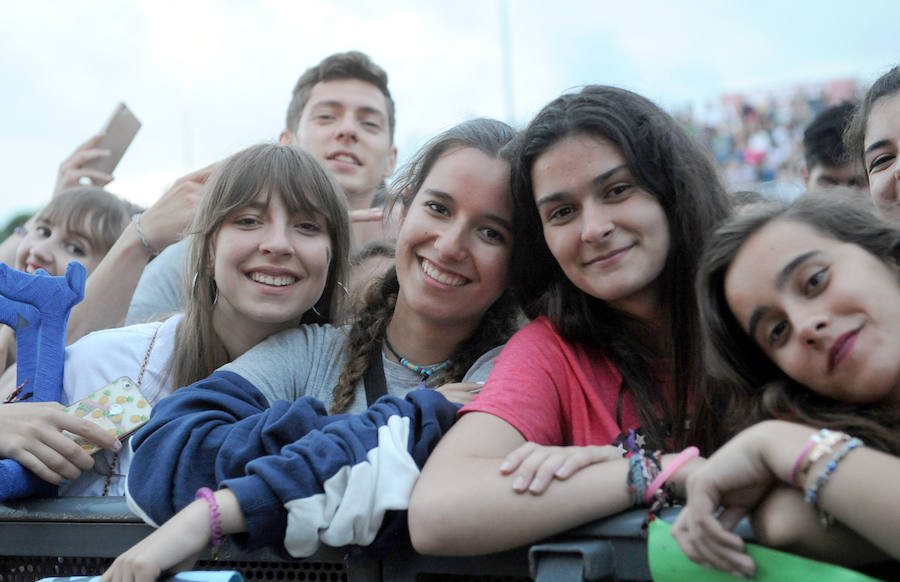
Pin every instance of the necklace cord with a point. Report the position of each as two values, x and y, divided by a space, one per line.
425 371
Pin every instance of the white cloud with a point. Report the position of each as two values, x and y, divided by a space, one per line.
207 77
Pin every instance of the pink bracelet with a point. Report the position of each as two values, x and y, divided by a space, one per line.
677 462
215 518
800 459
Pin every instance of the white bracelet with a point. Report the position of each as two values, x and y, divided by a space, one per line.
136 219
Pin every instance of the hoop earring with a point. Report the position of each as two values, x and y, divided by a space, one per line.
344 288
215 290
316 311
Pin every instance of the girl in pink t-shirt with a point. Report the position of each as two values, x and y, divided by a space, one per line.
613 201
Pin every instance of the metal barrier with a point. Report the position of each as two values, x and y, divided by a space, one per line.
73 536
42 538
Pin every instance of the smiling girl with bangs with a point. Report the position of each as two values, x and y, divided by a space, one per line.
268 212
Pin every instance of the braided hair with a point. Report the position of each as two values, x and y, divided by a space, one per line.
368 330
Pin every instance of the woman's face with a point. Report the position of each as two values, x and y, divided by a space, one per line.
455 240
270 266
52 246
826 312
609 236
881 146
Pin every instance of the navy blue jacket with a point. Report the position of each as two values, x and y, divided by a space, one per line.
302 477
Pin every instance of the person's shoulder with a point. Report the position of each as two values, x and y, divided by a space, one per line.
539 330
124 333
309 334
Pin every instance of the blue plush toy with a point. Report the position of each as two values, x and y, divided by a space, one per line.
37 306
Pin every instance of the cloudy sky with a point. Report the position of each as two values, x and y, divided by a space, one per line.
208 77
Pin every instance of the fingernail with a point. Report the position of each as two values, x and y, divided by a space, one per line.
64 482
118 446
519 483
505 465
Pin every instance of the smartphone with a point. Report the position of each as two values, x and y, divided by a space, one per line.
119 408
120 131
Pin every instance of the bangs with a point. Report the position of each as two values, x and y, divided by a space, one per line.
91 213
280 172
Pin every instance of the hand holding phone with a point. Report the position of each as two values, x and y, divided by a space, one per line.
117 136
97 157
119 408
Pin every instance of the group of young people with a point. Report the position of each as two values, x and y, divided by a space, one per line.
662 319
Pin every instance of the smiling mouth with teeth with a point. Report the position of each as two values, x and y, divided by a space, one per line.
274 281
345 158
440 276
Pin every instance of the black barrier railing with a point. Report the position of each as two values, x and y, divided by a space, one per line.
76 536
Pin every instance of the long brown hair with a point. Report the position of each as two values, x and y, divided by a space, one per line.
368 330
305 187
751 387
673 167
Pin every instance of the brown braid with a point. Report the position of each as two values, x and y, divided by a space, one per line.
368 331
493 138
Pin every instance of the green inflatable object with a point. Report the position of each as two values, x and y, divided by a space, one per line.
668 563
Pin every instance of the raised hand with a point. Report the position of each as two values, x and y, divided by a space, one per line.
73 169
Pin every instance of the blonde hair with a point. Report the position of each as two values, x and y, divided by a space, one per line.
305 187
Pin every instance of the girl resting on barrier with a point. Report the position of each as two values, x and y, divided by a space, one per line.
269 247
802 308
287 473
613 201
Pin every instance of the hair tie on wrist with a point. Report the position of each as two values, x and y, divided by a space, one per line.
677 462
215 519
800 458
136 219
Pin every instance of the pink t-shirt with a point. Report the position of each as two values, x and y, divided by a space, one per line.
554 392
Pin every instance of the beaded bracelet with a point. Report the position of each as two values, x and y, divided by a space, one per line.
215 519
136 219
812 494
824 442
